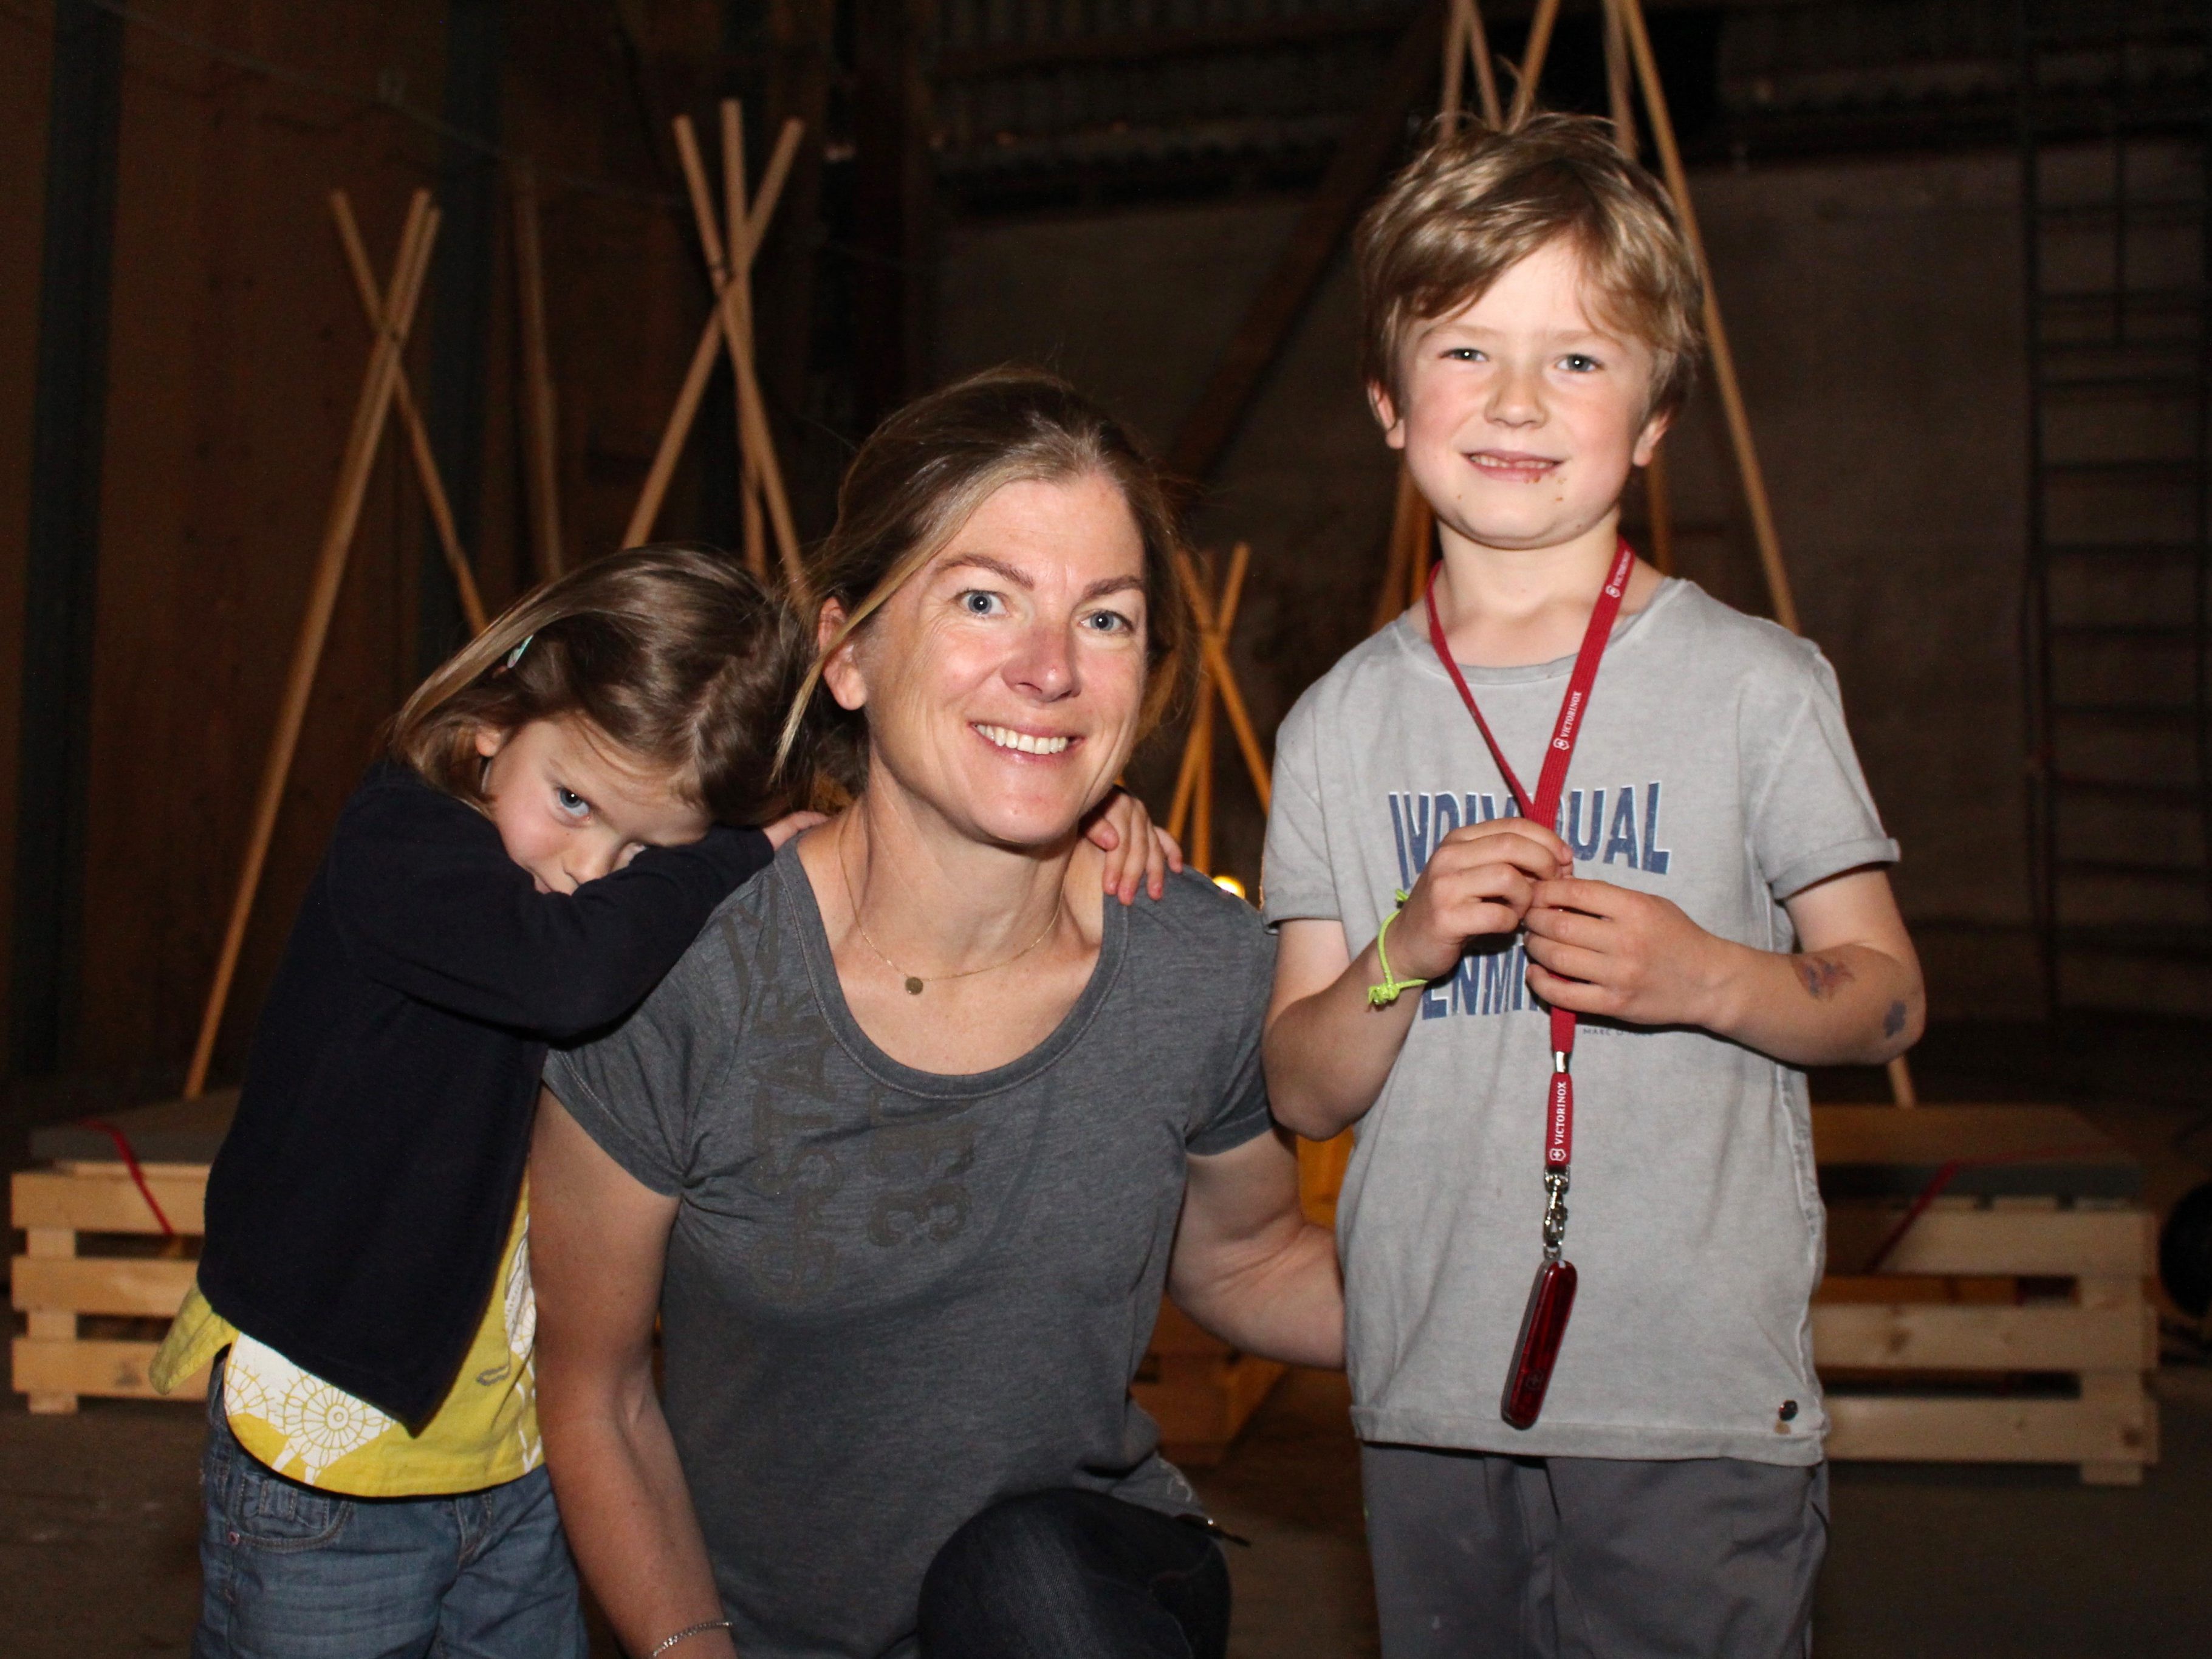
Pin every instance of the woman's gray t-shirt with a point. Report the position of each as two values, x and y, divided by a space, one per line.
893 1297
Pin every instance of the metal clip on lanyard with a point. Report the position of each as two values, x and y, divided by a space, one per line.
1551 1297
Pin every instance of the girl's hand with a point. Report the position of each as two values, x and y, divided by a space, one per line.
1480 880
1598 948
1137 850
789 825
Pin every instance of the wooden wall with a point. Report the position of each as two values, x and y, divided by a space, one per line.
26 55
237 351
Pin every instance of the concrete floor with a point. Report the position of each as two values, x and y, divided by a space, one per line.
98 1512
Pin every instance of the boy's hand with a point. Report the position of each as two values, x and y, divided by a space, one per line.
1137 850
1480 880
789 825
1595 948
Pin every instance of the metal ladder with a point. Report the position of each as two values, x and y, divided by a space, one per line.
2114 124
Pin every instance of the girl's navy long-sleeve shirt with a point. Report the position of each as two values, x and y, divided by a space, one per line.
357 1210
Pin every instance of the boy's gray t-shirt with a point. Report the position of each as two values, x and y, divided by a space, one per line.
892 1296
1713 769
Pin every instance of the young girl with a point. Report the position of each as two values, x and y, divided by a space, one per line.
546 836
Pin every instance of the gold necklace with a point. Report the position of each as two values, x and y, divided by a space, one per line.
915 984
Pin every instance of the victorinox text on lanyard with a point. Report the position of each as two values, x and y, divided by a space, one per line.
1551 1297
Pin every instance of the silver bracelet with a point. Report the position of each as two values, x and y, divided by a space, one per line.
668 1642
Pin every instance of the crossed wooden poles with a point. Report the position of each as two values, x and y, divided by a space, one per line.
390 315
730 241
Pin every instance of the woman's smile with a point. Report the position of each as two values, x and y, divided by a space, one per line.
1012 741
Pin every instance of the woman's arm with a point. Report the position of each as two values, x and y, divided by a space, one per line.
597 1242
1249 1266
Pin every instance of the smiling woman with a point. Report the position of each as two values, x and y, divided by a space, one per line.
905 1149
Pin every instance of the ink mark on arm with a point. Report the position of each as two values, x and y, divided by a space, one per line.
1823 975
1894 1021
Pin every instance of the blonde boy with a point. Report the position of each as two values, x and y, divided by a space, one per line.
1712 901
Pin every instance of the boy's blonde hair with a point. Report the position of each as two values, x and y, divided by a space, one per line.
1477 201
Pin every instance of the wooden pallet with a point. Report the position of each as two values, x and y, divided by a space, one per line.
2010 1323
1200 1390
90 1252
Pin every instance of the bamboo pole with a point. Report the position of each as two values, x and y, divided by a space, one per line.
541 430
1466 17
754 534
712 336
752 411
1631 16
1197 754
1531 60
418 437
1232 699
1739 422
370 413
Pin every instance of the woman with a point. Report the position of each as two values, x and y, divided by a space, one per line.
905 1148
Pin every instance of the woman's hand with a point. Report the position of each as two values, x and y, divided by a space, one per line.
789 825
1137 849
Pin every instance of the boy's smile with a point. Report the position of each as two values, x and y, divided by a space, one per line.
1520 414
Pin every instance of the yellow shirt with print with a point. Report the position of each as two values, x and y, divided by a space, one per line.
484 1435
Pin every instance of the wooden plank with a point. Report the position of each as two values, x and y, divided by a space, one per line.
147 1287
1368 146
113 1371
2063 1244
1925 1337
166 1132
1209 1413
1868 1151
92 1204
2115 1427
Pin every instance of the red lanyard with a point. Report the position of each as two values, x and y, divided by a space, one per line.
1544 809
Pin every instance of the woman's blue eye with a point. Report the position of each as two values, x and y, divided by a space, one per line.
1108 622
570 801
976 603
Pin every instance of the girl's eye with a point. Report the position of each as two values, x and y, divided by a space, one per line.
570 802
1576 362
977 603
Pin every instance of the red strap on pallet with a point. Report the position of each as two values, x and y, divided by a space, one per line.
131 1162
1950 1172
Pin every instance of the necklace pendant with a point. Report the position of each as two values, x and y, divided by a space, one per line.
913 986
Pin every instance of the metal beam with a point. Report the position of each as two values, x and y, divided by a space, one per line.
62 548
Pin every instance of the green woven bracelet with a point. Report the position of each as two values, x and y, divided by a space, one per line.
1392 987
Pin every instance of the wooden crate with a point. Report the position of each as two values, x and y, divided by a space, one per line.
2011 1322
89 1252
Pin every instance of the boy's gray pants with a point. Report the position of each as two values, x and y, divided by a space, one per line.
1483 1556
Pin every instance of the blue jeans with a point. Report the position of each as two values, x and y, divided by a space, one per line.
289 1572
1076 1575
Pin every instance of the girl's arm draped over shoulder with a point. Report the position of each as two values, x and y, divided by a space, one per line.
599 1241
428 902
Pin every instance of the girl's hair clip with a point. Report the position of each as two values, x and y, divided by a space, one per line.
515 655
